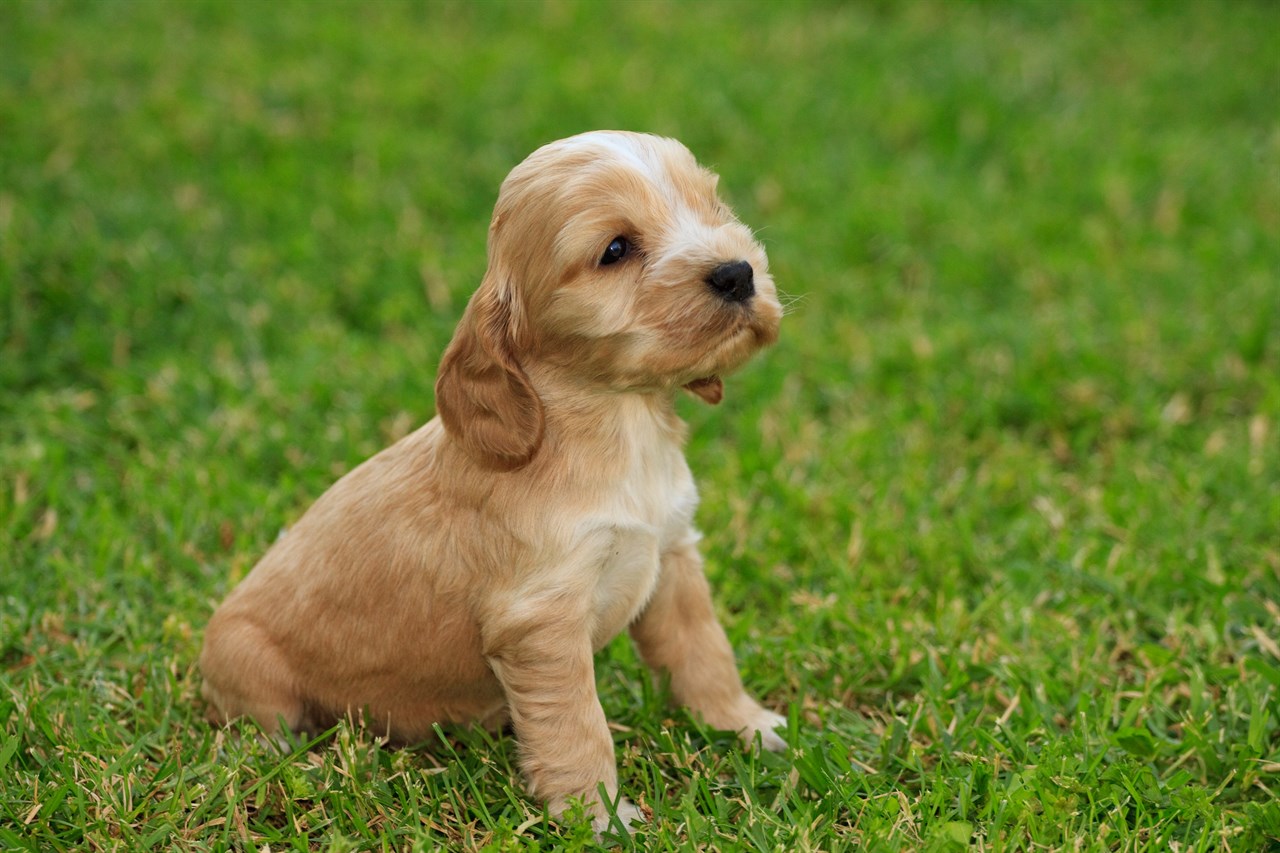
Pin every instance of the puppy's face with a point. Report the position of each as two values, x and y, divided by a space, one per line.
634 273
612 262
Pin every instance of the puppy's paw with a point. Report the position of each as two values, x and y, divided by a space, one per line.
604 819
626 814
765 723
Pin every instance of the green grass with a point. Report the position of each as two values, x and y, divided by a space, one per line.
997 521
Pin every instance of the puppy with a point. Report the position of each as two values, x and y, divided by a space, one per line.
470 571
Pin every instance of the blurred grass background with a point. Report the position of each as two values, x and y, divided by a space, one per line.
998 519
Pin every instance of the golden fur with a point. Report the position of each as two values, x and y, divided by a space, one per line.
471 571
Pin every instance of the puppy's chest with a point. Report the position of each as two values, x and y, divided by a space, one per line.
648 514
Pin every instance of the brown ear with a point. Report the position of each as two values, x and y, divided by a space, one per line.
710 389
482 393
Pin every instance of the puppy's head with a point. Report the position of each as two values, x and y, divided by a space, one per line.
614 266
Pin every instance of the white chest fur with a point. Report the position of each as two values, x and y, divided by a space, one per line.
641 513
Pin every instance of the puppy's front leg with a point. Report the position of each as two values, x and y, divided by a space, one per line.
678 633
565 747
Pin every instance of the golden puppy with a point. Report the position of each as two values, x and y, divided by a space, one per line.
471 571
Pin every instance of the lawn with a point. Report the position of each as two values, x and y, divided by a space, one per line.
996 523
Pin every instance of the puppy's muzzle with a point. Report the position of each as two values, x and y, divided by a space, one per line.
733 281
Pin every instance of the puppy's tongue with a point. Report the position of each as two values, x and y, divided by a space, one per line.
709 388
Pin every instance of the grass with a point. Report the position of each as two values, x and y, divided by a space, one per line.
997 522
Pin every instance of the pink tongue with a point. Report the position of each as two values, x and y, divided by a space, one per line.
709 388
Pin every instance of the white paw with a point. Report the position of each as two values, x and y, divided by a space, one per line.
764 723
627 813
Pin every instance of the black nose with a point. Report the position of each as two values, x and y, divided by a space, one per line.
733 281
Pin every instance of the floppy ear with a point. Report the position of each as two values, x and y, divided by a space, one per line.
482 393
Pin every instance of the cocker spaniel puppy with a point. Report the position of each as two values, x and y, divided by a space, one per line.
470 571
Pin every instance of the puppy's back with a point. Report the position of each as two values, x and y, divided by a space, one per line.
349 610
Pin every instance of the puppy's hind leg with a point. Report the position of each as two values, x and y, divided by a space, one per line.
246 676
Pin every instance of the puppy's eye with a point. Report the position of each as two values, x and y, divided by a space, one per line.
616 251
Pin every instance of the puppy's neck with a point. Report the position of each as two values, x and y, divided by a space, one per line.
594 417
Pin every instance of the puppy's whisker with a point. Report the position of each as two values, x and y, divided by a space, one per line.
790 302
